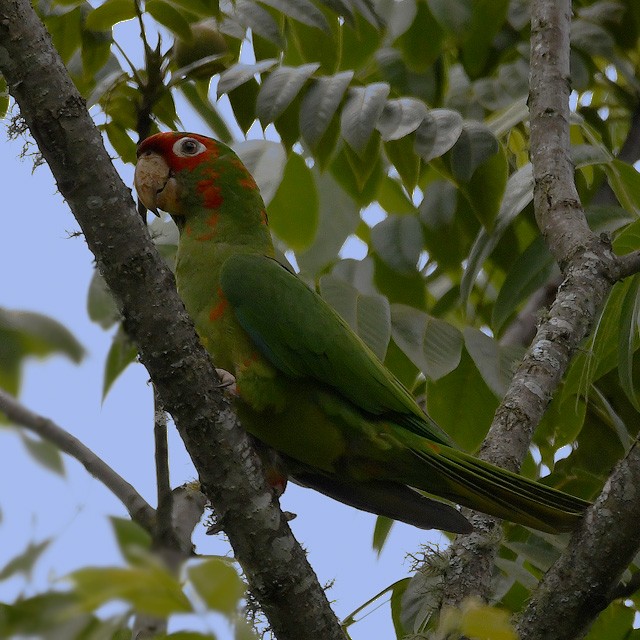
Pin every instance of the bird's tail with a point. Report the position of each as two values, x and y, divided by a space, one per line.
471 482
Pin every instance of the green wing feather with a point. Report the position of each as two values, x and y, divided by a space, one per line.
310 340
304 338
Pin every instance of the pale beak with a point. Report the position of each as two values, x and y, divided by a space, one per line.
151 177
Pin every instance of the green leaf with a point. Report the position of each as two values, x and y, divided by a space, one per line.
485 189
293 212
39 335
121 354
317 45
240 73
368 315
96 54
418 52
301 10
148 588
4 97
400 118
123 145
280 88
474 146
532 268
625 182
366 168
438 205
131 538
518 194
169 17
320 104
45 453
111 12
218 584
433 345
486 21
397 594
628 340
207 111
438 132
398 241
462 404
42 616
265 160
592 39
260 21
101 306
401 154
381 533
495 363
338 218
25 561
393 198
485 622
452 15
616 622
361 112
539 553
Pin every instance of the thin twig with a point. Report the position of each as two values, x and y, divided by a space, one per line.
164 525
140 511
629 264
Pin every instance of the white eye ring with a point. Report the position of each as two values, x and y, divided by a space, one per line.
188 147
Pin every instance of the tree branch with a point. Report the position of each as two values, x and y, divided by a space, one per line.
586 577
140 511
230 472
589 268
164 525
629 264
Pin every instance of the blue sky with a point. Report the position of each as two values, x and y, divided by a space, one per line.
48 271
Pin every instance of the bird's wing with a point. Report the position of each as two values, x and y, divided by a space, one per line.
303 337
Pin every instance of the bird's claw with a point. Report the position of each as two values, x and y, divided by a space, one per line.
227 381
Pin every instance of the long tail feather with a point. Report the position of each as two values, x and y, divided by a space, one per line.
471 482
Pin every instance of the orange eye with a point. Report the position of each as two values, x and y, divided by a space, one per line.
188 147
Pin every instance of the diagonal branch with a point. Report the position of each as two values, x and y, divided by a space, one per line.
140 511
230 472
587 575
589 269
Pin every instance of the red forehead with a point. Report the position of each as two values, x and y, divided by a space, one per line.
162 143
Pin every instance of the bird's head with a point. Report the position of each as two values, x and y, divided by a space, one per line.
162 160
186 173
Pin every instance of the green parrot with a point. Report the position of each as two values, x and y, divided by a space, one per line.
323 409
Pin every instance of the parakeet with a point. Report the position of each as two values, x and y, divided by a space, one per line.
324 410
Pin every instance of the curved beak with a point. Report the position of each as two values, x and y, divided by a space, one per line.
151 177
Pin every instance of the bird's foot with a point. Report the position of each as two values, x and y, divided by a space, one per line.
227 381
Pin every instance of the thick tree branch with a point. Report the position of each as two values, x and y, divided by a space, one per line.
139 510
586 577
155 318
589 268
